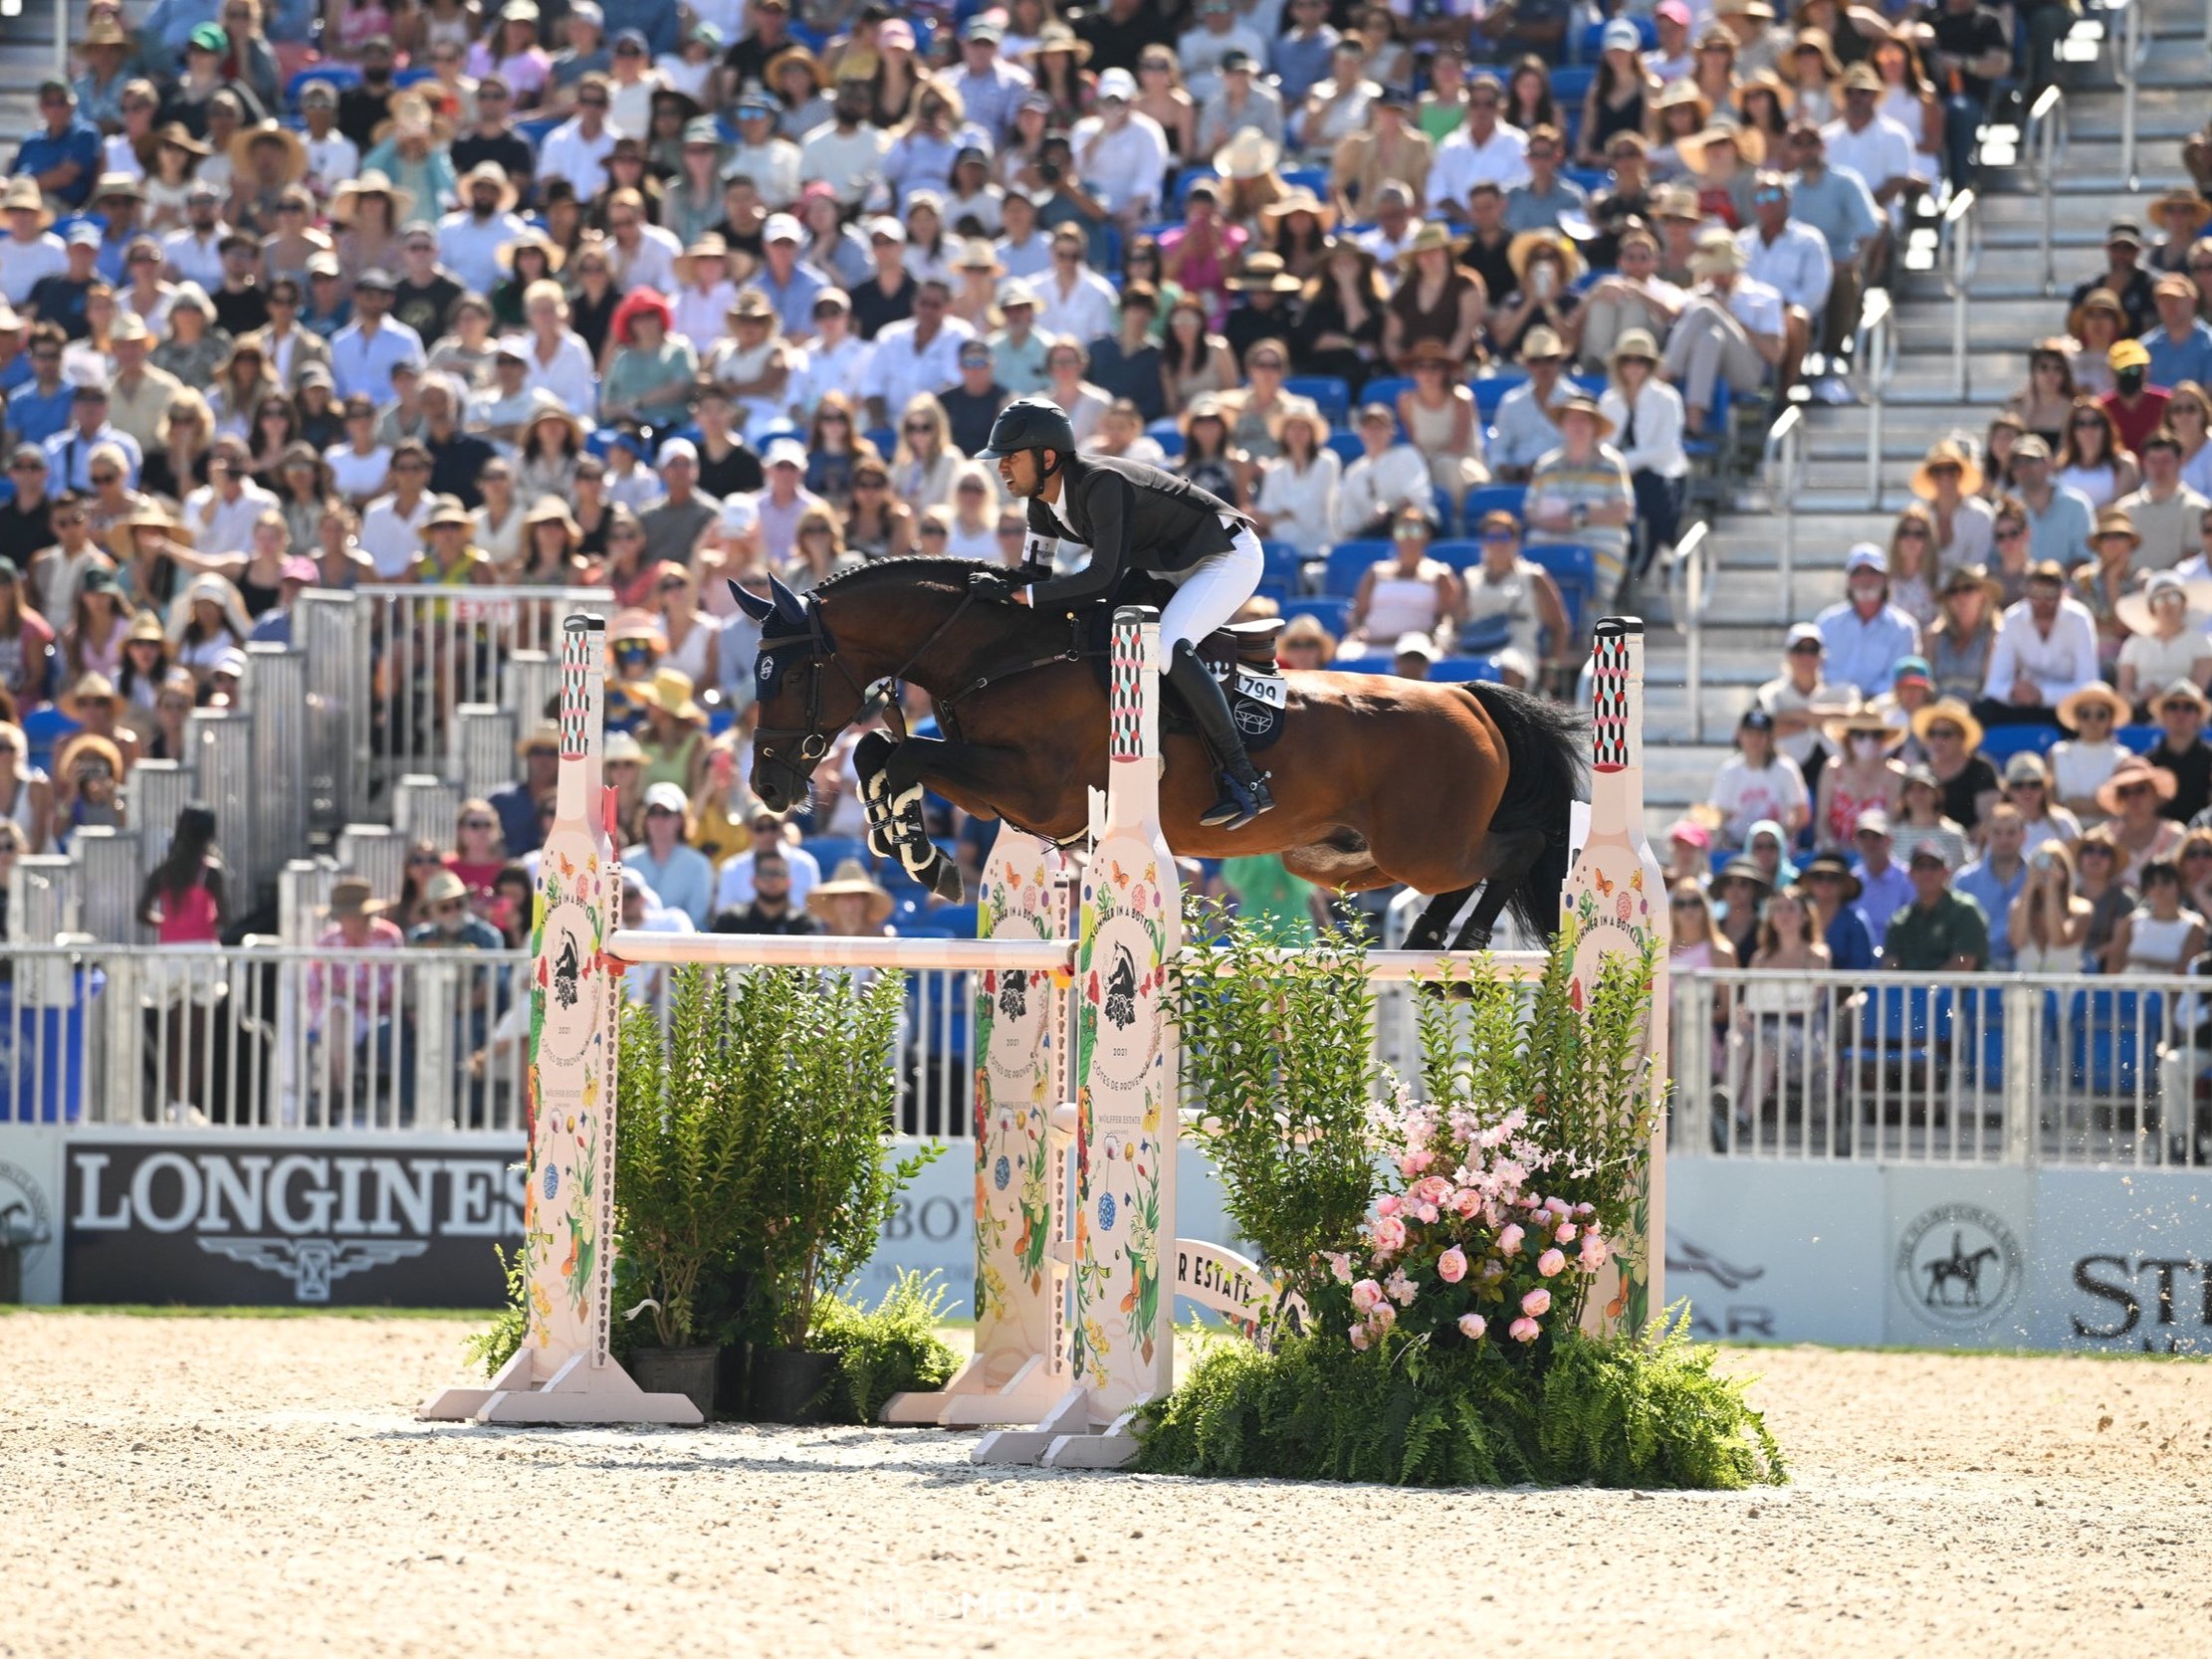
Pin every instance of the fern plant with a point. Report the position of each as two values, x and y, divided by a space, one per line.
891 1348
827 1187
694 1132
1276 1049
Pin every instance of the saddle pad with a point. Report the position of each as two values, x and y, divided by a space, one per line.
1256 698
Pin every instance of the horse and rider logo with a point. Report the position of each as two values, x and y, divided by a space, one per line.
1119 1005
572 986
1959 1265
1014 994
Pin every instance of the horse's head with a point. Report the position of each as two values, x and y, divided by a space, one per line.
806 693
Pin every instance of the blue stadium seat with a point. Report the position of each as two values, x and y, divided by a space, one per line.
1592 180
958 919
1346 562
2002 742
831 849
1490 389
1464 670
885 439
1283 562
1898 1022
2142 739
1315 179
536 129
1329 611
2109 1033
1347 446
1171 444
1575 572
1570 82
1591 44
1457 554
1385 389
1495 498
1331 394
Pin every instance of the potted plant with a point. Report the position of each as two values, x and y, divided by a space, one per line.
827 1187
692 1137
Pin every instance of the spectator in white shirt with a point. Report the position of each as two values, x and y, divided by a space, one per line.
364 352
1484 151
1296 501
1787 255
577 148
30 251
846 153
392 529
469 241
1220 32
1119 155
560 361
195 253
836 357
2046 651
1389 477
1073 300
1732 327
1867 142
643 254
1023 250
921 354
221 514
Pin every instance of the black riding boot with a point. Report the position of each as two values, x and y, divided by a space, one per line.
1244 786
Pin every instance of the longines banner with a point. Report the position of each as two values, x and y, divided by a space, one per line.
301 1219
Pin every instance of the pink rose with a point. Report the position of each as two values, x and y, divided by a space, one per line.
1509 1241
1341 1266
1471 1327
1565 1233
1382 1318
1557 1206
1594 1253
1360 1338
1536 1302
1365 1294
1431 1189
1388 1234
1401 1289
1551 1262
1452 1266
1585 1209
1387 1204
1525 1331
1426 1212
1465 1203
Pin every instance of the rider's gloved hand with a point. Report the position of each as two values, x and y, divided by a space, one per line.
992 584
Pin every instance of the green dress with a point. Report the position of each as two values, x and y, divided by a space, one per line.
1264 888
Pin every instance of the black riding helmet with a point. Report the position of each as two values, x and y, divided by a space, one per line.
1029 423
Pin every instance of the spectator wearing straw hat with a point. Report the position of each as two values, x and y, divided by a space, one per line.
1579 494
2166 639
30 251
1526 424
2181 750
850 904
470 239
1732 327
2046 651
1835 893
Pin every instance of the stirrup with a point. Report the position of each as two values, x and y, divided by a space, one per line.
1241 802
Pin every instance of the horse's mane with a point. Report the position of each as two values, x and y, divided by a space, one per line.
946 575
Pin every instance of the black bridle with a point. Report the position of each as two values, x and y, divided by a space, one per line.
821 652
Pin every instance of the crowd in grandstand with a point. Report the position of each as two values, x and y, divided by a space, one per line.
1450 299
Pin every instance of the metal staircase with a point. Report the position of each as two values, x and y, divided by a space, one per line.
1979 288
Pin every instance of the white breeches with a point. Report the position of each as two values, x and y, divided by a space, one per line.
1210 592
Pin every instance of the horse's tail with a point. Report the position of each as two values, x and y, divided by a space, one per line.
1544 775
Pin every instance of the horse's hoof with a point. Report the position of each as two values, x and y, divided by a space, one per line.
945 881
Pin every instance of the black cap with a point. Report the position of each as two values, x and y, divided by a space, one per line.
1755 720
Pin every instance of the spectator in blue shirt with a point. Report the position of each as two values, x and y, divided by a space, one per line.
168 26
39 410
1866 634
677 871
106 51
1994 880
2180 346
1835 893
517 803
65 157
1301 56
1888 889
656 20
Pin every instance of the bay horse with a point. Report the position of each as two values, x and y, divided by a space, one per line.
1377 780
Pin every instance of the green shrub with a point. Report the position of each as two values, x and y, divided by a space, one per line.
893 1349
1614 1412
496 1344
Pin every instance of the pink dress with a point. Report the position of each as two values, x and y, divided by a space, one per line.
1843 809
189 918
1207 279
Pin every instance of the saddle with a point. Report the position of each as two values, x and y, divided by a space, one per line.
1241 655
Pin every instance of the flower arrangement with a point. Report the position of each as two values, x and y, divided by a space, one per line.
1448 1277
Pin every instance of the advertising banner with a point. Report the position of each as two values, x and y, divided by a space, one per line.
400 1220
1776 1252
1959 1240
2121 1261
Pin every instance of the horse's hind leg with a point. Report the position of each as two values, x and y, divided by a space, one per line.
1426 933
1510 855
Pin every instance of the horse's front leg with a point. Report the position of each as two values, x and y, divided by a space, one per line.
871 760
985 783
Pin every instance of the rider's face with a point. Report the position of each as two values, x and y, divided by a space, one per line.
1020 474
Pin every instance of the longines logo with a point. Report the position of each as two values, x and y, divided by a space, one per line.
311 1263
1958 1265
25 1219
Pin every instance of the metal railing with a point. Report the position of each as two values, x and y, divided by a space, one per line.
1782 473
1689 592
432 650
2128 47
1944 1068
2045 143
1875 357
1959 256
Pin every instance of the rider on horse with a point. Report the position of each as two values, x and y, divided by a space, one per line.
1136 517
